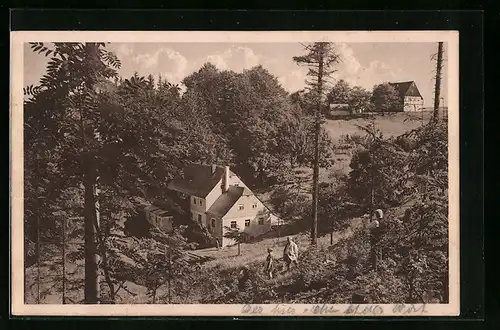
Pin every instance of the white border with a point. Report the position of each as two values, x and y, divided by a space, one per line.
16 120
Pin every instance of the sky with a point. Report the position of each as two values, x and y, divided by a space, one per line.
362 64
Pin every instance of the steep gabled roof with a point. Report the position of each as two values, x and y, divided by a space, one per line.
198 180
226 201
406 88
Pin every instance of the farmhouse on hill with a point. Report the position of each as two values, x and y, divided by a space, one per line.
409 95
217 198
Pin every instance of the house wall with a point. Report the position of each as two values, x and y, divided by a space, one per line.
248 213
198 207
234 180
213 195
217 230
165 224
413 103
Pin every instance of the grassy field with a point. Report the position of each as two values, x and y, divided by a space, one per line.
390 124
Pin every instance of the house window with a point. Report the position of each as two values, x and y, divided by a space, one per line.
233 224
192 216
199 218
194 200
241 207
213 222
254 206
247 223
261 221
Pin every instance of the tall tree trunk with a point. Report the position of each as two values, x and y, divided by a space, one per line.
437 90
91 252
314 224
38 256
169 274
64 260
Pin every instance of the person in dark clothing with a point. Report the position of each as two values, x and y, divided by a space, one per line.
269 268
376 231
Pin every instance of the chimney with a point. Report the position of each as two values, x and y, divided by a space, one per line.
225 180
214 168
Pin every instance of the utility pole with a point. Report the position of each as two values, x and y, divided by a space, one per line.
437 90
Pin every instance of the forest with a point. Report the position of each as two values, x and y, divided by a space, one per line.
98 143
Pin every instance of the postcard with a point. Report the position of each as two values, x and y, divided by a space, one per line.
243 174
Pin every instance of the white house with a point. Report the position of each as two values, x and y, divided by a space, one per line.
410 97
219 199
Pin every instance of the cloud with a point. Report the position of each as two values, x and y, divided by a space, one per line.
294 80
170 63
124 50
352 71
236 58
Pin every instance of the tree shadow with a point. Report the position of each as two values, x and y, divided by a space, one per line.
137 226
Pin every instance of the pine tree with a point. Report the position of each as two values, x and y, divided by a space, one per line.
321 59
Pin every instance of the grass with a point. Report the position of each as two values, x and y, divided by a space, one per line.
390 124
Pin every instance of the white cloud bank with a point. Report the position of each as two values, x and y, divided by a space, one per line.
174 66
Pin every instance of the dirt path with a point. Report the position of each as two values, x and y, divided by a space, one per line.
228 257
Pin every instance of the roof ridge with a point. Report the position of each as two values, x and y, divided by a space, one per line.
402 82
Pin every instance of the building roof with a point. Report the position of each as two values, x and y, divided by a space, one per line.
198 180
157 211
406 88
339 105
226 201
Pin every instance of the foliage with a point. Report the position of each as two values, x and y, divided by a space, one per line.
357 98
360 100
377 175
237 235
335 205
385 97
153 261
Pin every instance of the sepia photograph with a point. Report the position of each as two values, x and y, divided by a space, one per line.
235 173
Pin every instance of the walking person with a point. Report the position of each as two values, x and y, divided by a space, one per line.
290 253
376 230
269 268
217 243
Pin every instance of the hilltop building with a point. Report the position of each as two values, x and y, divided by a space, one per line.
410 97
